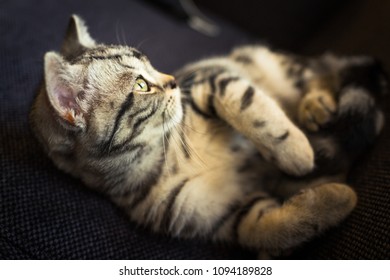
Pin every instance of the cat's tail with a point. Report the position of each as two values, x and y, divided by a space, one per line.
359 118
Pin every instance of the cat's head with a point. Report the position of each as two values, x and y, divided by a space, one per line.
101 101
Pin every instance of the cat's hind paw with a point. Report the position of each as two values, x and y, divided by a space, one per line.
316 109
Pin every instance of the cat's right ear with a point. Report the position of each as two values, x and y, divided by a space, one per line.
63 90
77 38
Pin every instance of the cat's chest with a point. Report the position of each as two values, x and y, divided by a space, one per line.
213 145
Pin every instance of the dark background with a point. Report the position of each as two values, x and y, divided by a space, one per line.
45 214
314 26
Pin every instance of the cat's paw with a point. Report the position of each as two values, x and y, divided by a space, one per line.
330 202
316 109
295 156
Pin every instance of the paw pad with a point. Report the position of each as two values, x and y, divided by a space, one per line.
316 109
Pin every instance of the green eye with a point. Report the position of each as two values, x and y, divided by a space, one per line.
141 85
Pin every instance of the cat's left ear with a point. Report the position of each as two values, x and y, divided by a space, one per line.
77 38
64 92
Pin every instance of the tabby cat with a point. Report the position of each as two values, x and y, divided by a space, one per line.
250 148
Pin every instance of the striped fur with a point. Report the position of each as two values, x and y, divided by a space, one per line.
240 151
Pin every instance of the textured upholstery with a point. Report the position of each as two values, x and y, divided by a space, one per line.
46 214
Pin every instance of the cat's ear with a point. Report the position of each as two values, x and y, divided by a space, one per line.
63 91
77 38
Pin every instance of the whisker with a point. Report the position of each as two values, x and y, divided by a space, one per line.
142 42
188 146
164 148
190 127
117 32
124 36
176 143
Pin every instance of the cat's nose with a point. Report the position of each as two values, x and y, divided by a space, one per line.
168 81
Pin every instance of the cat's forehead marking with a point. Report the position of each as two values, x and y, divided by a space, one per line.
108 53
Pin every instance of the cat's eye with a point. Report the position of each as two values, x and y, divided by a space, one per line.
141 85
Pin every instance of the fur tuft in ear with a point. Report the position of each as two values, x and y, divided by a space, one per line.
77 38
61 90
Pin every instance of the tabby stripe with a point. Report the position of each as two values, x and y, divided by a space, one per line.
242 214
258 124
184 145
244 59
126 105
135 131
126 66
185 91
87 57
233 208
184 109
142 119
212 83
141 196
137 55
247 98
170 202
126 147
223 84
145 190
213 87
188 81
114 184
282 137
134 53
195 107
137 113
101 57
211 106
167 136
209 75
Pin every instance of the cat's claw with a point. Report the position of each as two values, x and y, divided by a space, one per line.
316 109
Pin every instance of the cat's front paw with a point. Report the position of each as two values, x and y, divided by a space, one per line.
295 156
291 152
316 109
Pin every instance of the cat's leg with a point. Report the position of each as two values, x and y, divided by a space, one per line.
251 111
263 225
282 74
215 206
304 87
